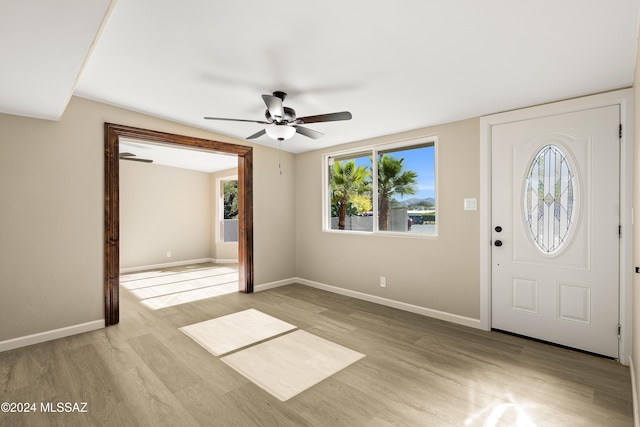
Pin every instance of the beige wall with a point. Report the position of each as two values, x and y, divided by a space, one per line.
276 214
163 209
223 251
52 219
439 274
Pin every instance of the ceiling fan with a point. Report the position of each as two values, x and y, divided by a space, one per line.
133 158
282 121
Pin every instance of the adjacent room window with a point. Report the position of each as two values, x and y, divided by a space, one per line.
229 210
384 189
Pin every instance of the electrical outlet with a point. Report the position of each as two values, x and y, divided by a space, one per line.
168 254
383 282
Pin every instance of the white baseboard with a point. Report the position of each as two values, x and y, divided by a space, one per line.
167 265
634 393
224 261
277 284
98 324
453 318
50 335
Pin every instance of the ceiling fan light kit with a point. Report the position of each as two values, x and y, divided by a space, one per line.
280 132
282 123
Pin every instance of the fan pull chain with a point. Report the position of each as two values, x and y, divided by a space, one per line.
280 157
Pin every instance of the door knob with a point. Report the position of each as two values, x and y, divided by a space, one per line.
498 229
498 243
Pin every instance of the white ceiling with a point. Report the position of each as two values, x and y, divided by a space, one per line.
199 160
396 66
43 47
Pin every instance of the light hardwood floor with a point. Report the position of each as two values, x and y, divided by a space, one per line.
179 285
417 372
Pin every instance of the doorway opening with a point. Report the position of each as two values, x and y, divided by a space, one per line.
113 134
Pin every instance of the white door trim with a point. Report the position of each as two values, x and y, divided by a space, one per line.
624 98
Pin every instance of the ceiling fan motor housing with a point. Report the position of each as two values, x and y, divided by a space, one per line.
289 116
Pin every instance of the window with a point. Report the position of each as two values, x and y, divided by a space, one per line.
350 195
229 204
383 189
550 199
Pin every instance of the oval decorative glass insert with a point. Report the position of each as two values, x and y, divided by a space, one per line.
550 199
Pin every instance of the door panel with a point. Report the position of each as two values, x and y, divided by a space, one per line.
555 199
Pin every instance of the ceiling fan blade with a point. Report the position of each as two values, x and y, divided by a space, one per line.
308 132
136 160
238 120
331 117
126 155
274 105
257 134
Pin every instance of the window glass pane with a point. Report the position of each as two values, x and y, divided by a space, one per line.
230 211
550 199
350 193
406 189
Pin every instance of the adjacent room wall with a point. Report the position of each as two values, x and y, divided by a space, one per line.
440 274
52 216
163 209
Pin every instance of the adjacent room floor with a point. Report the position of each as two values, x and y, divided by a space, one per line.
416 371
165 287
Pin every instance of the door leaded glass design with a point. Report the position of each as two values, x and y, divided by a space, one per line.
550 199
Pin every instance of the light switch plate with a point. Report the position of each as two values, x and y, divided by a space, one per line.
470 204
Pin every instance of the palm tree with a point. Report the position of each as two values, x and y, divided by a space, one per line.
392 179
230 197
347 181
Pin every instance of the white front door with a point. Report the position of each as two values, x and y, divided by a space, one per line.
555 219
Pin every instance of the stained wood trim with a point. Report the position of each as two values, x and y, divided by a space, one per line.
111 227
112 135
245 222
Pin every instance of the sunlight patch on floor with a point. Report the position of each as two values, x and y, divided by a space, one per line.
500 413
163 288
281 362
233 331
185 286
163 277
292 363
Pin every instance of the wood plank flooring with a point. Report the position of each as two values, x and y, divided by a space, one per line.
179 285
417 372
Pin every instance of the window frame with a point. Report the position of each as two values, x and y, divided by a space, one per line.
219 217
373 151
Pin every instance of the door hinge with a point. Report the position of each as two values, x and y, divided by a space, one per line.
619 331
620 131
620 231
